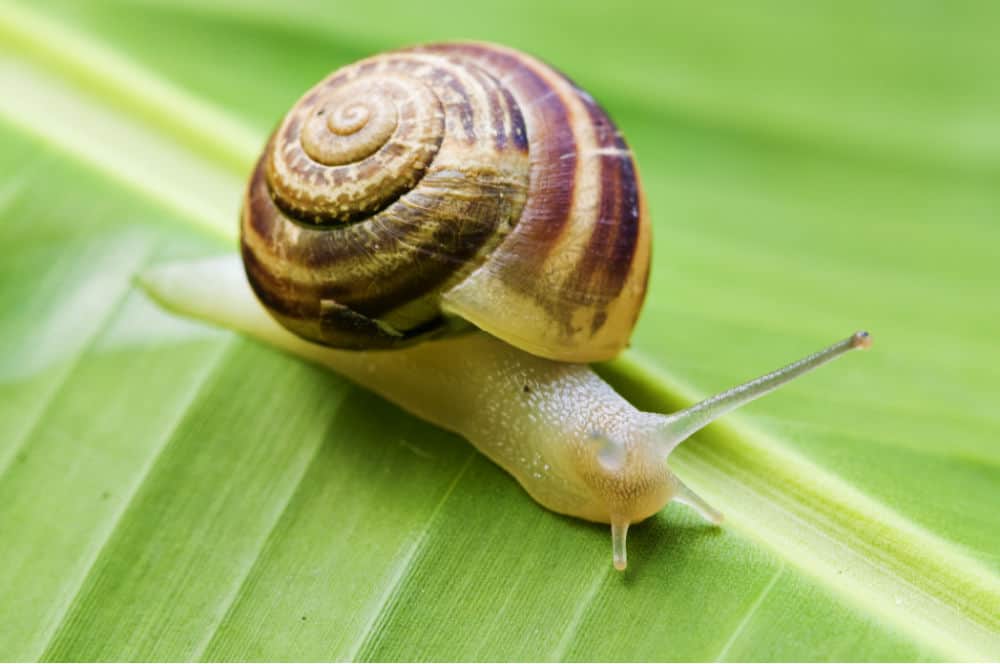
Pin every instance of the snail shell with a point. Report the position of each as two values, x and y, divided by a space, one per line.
424 187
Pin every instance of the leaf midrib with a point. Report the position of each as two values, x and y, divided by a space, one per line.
196 124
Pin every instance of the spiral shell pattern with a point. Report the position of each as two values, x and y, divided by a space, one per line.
420 188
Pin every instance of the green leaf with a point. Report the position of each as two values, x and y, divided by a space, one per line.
172 491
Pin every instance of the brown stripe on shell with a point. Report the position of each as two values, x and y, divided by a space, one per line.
434 260
442 79
277 296
258 214
464 111
607 262
261 221
495 105
577 291
552 149
626 238
328 321
414 255
518 132
508 122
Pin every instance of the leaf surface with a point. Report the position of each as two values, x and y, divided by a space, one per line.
172 491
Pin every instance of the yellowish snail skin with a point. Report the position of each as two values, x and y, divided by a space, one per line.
570 440
415 196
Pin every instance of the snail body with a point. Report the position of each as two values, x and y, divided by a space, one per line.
557 427
459 228
574 444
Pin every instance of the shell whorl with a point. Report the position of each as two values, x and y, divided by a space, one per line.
350 149
446 182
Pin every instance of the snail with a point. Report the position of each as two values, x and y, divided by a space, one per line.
461 229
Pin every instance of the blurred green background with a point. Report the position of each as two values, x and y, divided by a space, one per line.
170 491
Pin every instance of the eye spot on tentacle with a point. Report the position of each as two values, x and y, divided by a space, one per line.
610 454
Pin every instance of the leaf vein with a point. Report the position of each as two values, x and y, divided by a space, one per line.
741 627
381 609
